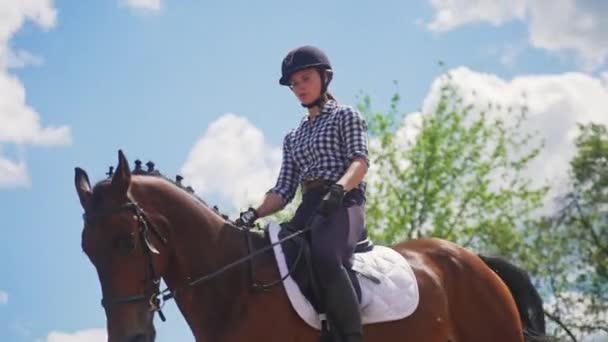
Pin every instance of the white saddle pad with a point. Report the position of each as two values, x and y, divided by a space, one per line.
396 296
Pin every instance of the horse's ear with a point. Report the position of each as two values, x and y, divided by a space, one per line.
121 180
83 187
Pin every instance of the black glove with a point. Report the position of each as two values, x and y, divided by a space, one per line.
247 218
332 200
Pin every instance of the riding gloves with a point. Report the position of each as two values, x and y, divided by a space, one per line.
332 199
247 218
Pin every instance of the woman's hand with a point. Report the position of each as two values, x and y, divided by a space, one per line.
247 218
332 200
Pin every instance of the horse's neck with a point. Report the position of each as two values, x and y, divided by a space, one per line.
202 242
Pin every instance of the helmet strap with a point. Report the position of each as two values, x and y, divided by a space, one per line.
323 96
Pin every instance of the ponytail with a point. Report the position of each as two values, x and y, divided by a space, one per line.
330 96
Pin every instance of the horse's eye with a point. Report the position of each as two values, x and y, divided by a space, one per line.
124 243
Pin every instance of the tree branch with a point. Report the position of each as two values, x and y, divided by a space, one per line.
587 224
562 325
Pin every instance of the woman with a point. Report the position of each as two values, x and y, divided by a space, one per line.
327 156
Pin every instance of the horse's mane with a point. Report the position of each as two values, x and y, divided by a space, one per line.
259 235
152 172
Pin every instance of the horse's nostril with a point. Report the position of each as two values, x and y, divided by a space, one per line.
138 338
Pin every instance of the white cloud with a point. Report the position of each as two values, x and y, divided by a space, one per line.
556 104
21 124
144 5
450 14
232 160
554 25
91 335
3 297
13 174
22 58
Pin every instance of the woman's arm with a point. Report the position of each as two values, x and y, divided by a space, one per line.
354 132
354 174
272 203
287 183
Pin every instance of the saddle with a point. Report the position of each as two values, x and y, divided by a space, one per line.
384 281
299 262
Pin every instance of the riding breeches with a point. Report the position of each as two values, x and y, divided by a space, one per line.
333 239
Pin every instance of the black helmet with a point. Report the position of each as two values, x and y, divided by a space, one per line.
302 58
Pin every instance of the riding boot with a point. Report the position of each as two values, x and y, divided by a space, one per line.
342 308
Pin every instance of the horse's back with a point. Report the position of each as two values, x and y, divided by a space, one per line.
461 299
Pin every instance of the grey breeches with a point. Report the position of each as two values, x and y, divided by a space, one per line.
334 238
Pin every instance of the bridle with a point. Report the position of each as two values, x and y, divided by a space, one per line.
152 280
156 299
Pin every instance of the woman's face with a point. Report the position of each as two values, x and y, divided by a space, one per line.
306 85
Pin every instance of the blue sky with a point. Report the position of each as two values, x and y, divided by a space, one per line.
153 77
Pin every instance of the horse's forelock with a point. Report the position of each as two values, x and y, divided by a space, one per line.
100 191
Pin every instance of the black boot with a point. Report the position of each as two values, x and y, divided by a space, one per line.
342 308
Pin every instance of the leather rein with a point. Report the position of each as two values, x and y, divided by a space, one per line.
155 298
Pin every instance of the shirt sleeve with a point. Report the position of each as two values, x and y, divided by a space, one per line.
287 183
354 134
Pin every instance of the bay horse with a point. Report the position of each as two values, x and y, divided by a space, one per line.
139 229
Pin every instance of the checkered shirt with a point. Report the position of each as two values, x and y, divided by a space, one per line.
322 148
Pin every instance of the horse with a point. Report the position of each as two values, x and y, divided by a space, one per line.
139 229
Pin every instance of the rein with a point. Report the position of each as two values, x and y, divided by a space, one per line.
156 298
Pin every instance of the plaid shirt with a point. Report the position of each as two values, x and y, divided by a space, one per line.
322 148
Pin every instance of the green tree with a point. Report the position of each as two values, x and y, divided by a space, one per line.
571 248
459 178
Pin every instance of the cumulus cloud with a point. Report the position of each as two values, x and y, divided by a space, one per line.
557 26
556 103
22 58
233 160
13 174
21 124
143 5
450 14
91 335
3 297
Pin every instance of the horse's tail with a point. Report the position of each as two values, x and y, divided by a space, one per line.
529 303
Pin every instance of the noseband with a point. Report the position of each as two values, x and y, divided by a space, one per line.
151 293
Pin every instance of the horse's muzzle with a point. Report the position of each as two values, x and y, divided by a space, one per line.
140 338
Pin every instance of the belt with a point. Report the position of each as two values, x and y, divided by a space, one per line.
314 184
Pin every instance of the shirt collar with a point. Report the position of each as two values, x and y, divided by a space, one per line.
329 106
